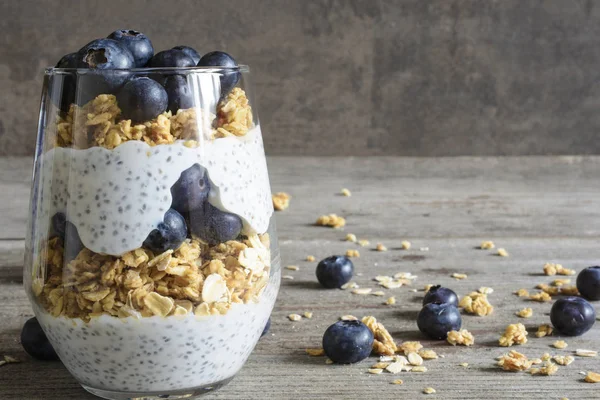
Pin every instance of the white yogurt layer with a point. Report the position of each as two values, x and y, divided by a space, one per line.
159 354
116 197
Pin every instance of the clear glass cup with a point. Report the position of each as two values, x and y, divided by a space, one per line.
151 255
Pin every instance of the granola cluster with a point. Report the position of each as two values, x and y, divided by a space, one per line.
384 343
514 334
476 303
99 123
194 278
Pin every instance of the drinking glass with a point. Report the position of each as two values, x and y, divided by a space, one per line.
151 259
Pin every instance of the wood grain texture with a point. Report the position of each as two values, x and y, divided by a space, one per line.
540 209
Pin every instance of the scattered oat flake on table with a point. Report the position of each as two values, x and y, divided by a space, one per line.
352 253
315 352
310 258
308 314
429 390
363 242
561 282
586 353
414 359
550 290
328 361
397 382
592 377
405 244
348 318
350 237
410 347
459 276
462 337
428 354
487 245
549 368
420 368
525 313
513 334
391 284
560 344
463 364
502 252
349 285
292 267
380 364
375 371
362 291
345 192
289 277
396 367
380 247
390 301
542 297
331 220
485 290
378 293
281 201
295 317
569 290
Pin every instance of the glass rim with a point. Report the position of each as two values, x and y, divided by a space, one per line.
202 69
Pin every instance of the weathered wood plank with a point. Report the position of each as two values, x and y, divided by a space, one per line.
540 209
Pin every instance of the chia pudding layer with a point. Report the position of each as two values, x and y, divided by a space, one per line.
160 353
115 198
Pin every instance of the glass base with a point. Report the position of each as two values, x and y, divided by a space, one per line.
188 394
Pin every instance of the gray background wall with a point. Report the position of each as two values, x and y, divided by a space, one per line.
343 77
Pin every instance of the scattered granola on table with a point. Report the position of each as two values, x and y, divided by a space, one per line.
557 269
544 330
542 297
487 245
592 377
352 253
513 334
502 252
350 237
462 337
384 343
548 368
405 245
560 344
525 313
476 303
331 220
380 247
514 361
281 201
345 192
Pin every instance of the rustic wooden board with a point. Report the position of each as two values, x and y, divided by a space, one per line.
540 209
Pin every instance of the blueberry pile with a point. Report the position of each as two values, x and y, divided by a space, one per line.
439 314
141 97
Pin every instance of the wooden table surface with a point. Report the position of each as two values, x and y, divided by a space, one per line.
543 209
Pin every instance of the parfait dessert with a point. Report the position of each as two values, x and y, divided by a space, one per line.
151 259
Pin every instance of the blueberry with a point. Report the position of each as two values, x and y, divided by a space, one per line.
267 326
435 320
572 316
191 189
105 58
72 243
35 342
334 271
213 225
347 342
171 58
142 99
221 59
588 283
169 234
59 221
190 51
179 93
62 84
439 294
137 43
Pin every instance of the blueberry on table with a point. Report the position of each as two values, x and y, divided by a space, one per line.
267 326
572 316
439 294
191 189
137 43
190 51
221 59
35 342
347 342
142 99
588 283
62 85
435 320
171 58
213 225
179 93
72 243
334 271
169 234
